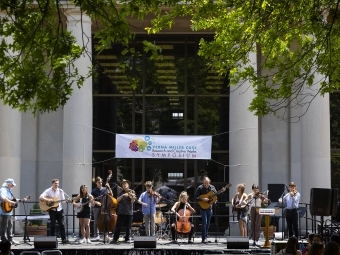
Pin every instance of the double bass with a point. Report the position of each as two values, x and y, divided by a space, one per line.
183 225
107 218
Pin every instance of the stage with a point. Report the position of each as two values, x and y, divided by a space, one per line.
163 247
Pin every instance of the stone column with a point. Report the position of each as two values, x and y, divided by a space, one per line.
10 141
315 137
77 129
243 144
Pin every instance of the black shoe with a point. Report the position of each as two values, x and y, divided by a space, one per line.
65 241
114 242
204 241
190 242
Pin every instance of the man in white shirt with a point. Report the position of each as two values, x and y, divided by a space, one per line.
56 214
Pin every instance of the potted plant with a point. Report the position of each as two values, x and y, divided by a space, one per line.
36 227
272 228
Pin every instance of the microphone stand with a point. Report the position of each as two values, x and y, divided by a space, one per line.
26 237
66 215
282 213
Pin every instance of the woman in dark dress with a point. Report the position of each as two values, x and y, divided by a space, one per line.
82 206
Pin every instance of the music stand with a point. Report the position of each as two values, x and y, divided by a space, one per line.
283 216
301 212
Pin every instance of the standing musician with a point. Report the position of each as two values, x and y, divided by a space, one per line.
256 199
148 199
182 204
98 192
240 206
125 200
56 214
292 200
205 213
6 225
85 214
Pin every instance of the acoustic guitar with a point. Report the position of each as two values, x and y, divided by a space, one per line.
211 196
46 205
8 207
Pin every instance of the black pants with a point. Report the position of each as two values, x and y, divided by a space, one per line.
57 216
292 218
174 232
123 219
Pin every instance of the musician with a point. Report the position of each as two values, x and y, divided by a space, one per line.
240 206
6 225
205 213
181 204
256 199
98 192
84 215
56 214
125 200
292 199
148 200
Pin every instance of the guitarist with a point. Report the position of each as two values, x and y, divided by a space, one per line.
56 214
206 214
85 214
6 225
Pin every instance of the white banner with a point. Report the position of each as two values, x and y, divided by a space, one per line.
163 146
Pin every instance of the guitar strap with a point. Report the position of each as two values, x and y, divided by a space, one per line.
11 193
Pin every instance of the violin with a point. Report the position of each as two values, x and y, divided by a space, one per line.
131 193
154 194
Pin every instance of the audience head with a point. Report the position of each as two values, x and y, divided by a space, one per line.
332 248
317 238
310 238
5 247
316 249
291 245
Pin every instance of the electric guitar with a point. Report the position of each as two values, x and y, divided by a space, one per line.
211 196
47 205
8 207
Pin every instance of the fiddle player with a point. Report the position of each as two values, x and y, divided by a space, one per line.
183 205
98 192
148 199
206 214
292 199
125 200
256 198
239 202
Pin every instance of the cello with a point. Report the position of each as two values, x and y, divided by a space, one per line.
107 218
183 225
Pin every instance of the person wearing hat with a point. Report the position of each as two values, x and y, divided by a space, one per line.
6 225
292 199
125 200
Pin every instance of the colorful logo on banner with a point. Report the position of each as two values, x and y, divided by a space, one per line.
140 144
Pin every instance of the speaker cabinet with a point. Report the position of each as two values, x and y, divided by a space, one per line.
275 191
41 242
145 242
320 201
334 205
238 242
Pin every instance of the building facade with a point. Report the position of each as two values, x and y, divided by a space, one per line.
177 94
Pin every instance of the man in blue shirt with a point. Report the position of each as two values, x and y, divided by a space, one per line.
148 202
292 199
6 225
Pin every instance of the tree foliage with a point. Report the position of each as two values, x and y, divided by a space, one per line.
297 39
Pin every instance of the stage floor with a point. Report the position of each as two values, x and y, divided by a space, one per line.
214 246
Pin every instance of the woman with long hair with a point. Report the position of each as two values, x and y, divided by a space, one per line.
240 207
182 204
82 204
332 248
290 247
317 249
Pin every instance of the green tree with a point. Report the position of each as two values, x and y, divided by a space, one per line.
41 42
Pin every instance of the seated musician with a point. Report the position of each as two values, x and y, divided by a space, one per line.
179 208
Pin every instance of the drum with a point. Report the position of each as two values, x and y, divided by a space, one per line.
158 217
